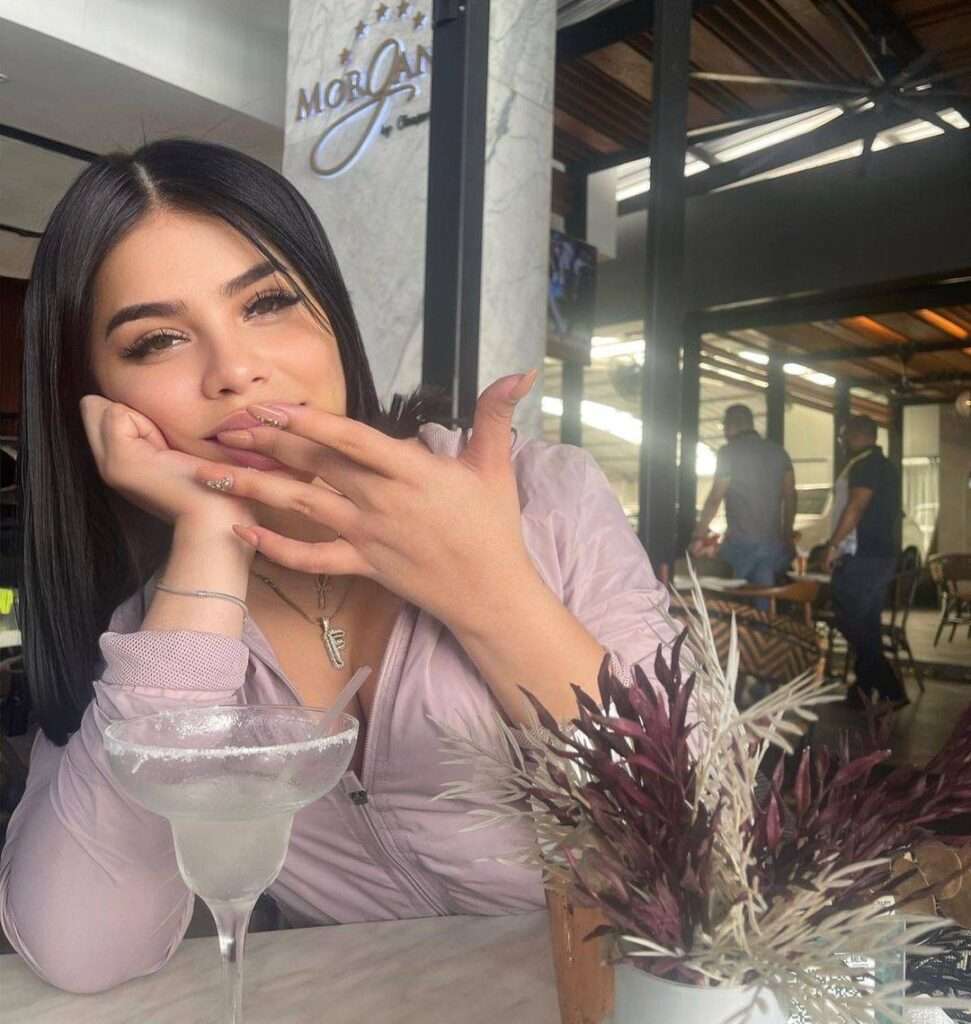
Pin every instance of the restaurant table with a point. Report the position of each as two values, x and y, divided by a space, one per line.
813 577
439 970
444 970
722 584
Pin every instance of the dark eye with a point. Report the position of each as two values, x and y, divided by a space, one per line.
160 341
270 302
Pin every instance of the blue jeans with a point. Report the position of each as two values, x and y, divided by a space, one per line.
759 562
859 589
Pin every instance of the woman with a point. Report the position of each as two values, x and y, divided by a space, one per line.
199 415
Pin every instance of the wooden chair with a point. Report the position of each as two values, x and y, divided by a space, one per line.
773 649
900 599
803 593
952 574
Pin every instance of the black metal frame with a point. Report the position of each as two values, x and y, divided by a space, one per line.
456 191
775 400
903 350
665 324
768 312
690 429
8 131
571 422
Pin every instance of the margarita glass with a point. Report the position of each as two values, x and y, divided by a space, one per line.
229 780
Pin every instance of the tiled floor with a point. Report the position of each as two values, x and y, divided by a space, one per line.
922 728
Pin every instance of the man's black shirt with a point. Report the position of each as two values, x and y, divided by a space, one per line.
877 528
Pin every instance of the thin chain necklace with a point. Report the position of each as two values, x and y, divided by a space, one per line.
332 639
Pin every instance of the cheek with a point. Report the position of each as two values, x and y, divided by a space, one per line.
162 402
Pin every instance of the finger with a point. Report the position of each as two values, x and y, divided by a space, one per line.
336 557
92 413
314 502
491 439
356 441
299 454
130 423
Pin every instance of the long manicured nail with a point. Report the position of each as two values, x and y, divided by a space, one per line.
239 438
521 385
223 483
269 415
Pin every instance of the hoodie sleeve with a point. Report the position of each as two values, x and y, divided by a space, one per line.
90 892
608 581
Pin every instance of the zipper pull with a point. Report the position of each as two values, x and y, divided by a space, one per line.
352 787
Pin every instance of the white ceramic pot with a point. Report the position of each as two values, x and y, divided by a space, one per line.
642 998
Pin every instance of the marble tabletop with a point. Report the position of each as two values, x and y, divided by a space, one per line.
473 970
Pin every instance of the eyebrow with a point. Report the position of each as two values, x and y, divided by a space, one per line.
143 310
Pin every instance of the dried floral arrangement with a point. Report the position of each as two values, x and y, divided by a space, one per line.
656 809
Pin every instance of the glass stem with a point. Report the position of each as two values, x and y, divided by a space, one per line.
232 919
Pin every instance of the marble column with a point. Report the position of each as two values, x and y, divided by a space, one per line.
358 79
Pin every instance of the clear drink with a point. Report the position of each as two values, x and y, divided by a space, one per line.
229 780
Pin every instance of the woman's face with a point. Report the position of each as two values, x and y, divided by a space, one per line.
191 325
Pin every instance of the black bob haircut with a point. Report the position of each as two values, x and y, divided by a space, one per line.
85 549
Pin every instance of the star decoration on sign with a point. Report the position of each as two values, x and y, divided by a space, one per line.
383 12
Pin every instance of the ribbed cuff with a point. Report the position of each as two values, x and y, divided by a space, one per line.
174 660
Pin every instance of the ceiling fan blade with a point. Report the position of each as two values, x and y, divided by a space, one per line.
785 83
939 76
925 115
868 139
936 94
838 14
914 68
726 127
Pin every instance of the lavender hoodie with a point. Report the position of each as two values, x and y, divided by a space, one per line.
90 894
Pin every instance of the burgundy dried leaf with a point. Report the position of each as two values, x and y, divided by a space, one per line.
546 720
802 787
859 768
651 764
643 685
604 680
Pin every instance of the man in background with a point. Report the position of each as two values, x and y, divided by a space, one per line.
755 478
862 556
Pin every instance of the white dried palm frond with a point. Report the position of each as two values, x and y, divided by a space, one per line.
793 942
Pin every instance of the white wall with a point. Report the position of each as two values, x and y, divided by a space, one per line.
955 482
922 428
809 442
233 52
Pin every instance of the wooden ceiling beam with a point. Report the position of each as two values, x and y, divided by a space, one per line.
955 291
899 350
612 26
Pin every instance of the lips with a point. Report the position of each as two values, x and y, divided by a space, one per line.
241 420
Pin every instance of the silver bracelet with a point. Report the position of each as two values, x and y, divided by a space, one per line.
239 602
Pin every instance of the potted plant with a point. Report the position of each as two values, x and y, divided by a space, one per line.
731 891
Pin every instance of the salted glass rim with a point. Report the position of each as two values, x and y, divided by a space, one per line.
143 750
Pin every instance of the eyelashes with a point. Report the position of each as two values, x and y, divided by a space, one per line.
270 301
262 304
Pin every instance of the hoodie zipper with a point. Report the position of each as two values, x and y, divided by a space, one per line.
352 786
357 790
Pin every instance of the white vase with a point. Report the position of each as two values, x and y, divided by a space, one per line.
642 998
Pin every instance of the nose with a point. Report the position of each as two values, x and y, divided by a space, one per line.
233 366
